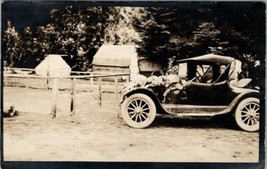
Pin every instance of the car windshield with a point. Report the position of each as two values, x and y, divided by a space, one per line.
207 73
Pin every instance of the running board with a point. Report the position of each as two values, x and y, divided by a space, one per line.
193 110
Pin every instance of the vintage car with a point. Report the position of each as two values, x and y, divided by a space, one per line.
210 87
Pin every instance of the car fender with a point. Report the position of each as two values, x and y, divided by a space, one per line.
147 92
247 93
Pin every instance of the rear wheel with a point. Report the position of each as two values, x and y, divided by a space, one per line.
247 114
138 111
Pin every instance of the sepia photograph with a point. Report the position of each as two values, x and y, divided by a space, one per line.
116 84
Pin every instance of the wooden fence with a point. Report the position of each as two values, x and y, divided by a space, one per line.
52 82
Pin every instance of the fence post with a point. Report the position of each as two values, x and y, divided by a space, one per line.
91 83
54 99
128 79
116 88
5 80
73 97
117 97
47 80
99 92
26 86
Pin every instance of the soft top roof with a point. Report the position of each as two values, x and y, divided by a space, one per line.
211 58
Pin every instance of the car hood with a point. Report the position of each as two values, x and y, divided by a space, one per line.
141 81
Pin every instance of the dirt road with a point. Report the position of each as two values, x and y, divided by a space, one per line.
95 133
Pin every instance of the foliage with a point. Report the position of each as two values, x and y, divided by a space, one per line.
75 32
235 30
162 33
10 46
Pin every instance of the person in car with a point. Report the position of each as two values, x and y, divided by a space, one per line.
172 81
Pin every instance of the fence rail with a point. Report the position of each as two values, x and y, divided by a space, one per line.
32 71
72 76
72 83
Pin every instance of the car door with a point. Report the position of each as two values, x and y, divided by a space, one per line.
209 85
200 90
199 94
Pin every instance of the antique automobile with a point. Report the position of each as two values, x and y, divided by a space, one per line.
208 85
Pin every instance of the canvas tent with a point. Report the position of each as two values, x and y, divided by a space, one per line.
116 59
53 65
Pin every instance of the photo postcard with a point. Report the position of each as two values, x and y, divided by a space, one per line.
151 84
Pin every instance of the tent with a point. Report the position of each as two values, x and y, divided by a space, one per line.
116 59
53 65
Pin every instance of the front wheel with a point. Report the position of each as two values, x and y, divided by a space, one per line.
247 114
138 111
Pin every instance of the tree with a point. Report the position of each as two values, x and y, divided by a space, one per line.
155 37
167 33
243 25
30 50
79 32
229 29
10 46
206 39
162 33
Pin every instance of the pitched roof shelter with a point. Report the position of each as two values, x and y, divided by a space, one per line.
53 65
116 59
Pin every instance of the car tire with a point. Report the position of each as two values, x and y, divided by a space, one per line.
138 111
247 114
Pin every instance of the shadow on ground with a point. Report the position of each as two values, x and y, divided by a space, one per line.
218 122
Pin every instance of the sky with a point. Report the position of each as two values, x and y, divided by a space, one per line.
22 14
32 13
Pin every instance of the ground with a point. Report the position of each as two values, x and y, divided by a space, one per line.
95 133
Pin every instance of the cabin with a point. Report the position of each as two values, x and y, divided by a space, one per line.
112 59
